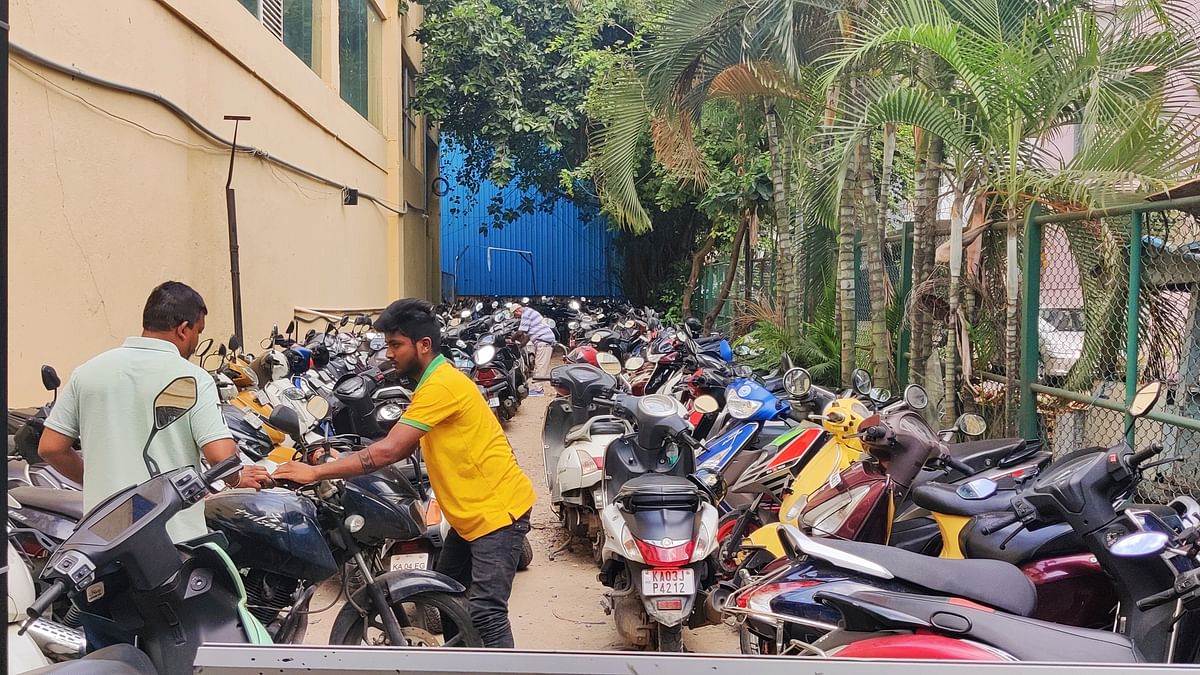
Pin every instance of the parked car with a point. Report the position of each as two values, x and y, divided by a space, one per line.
1060 341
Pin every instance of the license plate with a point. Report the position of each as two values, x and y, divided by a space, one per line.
668 582
409 561
494 402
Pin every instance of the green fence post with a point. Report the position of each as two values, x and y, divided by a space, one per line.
906 279
1131 320
1031 289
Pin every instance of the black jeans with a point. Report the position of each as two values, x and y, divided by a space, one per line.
486 566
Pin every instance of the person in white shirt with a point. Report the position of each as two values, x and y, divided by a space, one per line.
541 339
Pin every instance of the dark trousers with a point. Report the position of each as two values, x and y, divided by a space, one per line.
486 566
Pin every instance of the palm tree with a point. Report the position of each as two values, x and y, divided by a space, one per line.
1008 75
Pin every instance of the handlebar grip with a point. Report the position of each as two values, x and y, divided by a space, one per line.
222 468
1139 457
45 600
875 433
1152 601
958 465
996 527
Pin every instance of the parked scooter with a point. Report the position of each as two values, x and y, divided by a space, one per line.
1154 567
659 523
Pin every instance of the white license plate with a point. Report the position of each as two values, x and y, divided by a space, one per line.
494 402
410 561
668 582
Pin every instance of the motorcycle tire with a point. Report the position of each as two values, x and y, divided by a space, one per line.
369 630
670 638
526 555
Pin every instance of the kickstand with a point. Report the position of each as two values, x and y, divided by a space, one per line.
565 547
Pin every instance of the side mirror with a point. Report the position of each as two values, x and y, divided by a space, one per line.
329 328
345 320
1139 544
363 320
971 424
291 326
286 420
879 395
174 401
705 404
634 362
916 397
797 382
318 407
465 314
608 363
222 351
742 350
1145 398
234 343
860 382
203 348
980 488
50 379
743 371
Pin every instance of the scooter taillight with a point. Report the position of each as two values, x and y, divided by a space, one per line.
488 376
659 556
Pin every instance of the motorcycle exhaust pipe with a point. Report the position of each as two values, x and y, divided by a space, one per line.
58 640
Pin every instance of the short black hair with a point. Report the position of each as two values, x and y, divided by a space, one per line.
170 304
413 318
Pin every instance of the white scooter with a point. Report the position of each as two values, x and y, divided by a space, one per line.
29 651
575 435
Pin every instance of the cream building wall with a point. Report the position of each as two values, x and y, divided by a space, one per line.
111 194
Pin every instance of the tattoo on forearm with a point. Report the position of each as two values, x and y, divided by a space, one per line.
365 459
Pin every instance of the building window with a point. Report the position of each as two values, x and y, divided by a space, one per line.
359 52
411 135
292 21
300 21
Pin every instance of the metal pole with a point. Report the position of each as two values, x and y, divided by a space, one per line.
1031 289
235 271
1131 321
1179 203
906 279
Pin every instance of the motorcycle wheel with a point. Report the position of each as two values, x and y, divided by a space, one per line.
727 557
670 638
452 607
526 555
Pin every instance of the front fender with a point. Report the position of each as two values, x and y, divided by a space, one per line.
397 586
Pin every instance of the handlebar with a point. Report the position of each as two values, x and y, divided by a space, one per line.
874 433
42 603
996 527
958 465
222 469
1152 601
1138 457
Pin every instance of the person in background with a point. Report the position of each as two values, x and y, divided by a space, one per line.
482 491
541 338
108 405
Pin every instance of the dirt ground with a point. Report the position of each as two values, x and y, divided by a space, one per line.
555 604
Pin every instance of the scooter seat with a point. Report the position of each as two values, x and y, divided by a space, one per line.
987 454
584 382
990 582
943 498
658 491
67 503
871 610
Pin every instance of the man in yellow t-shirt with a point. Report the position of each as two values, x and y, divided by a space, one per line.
481 489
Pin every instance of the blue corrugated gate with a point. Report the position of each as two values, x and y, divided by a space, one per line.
560 252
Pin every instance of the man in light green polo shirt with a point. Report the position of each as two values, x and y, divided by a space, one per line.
108 405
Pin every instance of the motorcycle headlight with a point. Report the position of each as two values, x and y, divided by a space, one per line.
740 408
390 412
826 518
484 355
792 514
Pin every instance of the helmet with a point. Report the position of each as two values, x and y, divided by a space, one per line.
694 326
582 354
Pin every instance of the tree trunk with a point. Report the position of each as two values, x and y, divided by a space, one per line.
785 255
958 217
875 237
846 274
925 212
694 276
730 275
